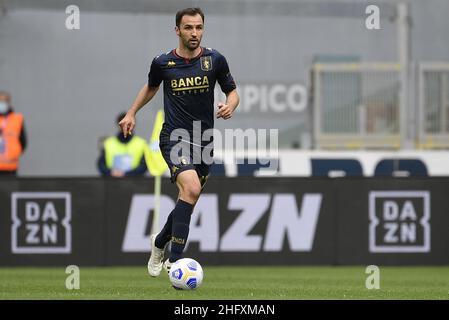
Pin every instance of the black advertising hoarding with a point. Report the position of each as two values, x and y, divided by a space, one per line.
236 221
52 222
240 221
393 221
129 204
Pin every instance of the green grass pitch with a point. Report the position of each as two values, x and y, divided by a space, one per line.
259 283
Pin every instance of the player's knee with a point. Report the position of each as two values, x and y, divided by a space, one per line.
194 191
191 191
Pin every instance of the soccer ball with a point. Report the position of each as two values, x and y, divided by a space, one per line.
186 274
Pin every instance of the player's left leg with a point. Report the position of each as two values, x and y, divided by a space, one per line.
202 171
165 235
189 191
190 179
160 241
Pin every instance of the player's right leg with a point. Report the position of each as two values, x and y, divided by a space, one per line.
156 257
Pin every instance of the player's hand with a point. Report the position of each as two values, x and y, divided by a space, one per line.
225 111
127 124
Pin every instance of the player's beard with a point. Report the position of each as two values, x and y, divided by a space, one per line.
192 45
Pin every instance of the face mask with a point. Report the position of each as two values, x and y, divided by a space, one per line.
4 107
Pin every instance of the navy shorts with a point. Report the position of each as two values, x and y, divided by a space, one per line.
180 162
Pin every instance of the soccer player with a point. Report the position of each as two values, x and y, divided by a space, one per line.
189 74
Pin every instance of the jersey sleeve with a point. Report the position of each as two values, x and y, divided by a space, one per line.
224 77
155 74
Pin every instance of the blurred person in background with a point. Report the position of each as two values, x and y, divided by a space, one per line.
12 136
122 156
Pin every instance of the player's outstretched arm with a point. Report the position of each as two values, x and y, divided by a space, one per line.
226 109
143 97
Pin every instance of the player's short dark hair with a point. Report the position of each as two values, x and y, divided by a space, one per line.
188 12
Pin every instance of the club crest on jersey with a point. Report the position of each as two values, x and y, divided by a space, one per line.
206 63
171 64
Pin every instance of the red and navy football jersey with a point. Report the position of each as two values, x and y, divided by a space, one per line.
189 87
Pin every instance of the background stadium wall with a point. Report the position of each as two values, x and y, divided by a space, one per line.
66 73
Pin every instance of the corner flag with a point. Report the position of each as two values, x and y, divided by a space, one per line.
153 155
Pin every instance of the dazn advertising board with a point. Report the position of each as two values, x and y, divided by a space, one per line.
237 221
